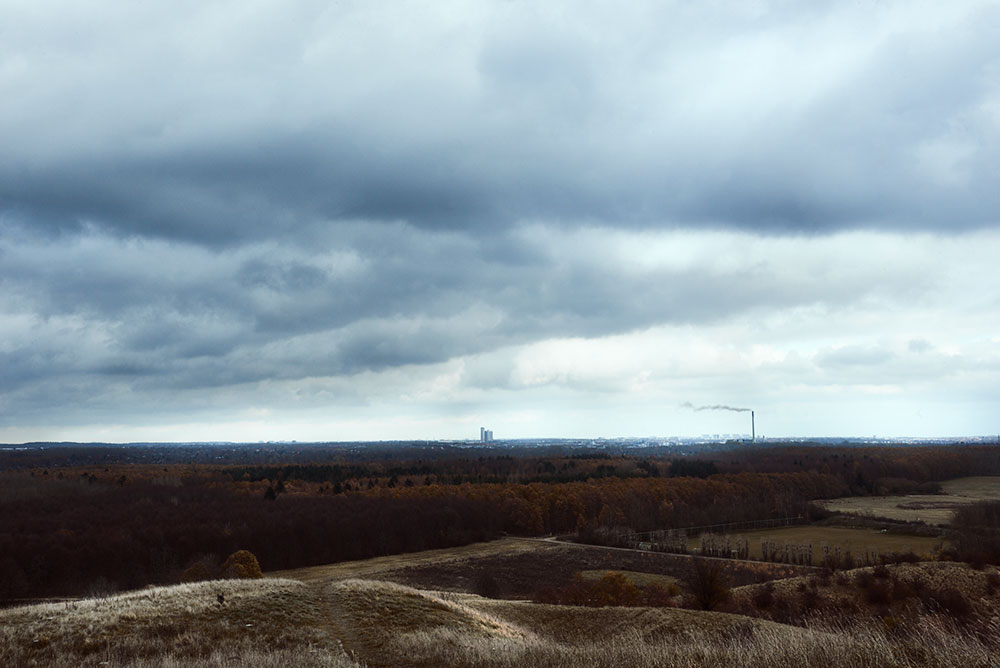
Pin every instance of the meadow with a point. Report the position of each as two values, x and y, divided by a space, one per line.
933 509
845 538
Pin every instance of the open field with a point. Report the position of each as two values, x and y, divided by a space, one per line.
523 566
855 540
935 509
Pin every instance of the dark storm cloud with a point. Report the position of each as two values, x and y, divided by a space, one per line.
166 315
201 197
524 118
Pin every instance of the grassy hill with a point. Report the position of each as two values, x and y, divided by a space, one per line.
348 623
269 623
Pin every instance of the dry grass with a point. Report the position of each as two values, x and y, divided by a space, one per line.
583 625
635 577
935 509
183 624
379 566
750 646
857 540
381 610
281 623
843 594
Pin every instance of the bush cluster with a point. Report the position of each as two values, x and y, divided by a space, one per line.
612 589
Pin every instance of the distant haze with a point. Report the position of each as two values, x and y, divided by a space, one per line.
354 220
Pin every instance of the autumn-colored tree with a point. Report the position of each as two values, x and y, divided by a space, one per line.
241 565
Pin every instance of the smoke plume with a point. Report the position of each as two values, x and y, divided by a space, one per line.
716 407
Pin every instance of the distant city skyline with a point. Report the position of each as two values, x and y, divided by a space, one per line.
358 221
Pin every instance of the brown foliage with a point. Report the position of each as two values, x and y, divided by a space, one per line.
612 589
241 565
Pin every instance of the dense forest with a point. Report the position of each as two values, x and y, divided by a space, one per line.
99 521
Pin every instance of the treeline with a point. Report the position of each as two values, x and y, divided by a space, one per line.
131 536
870 470
865 470
862 470
139 533
975 534
65 529
488 470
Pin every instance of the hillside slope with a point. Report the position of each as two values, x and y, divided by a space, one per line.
353 623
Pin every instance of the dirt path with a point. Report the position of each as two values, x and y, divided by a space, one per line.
340 623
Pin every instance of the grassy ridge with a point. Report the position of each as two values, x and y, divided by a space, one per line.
352 623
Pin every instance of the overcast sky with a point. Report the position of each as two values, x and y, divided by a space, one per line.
262 220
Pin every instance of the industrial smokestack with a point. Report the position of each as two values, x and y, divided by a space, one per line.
753 429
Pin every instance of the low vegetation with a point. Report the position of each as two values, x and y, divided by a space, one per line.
259 622
357 623
397 560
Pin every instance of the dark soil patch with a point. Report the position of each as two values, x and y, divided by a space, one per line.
519 576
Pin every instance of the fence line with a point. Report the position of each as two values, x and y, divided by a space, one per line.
728 527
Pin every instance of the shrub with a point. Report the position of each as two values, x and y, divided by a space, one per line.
763 598
486 585
817 513
885 486
950 601
707 583
658 596
810 599
904 589
878 594
101 587
241 565
992 583
613 589
205 567
908 557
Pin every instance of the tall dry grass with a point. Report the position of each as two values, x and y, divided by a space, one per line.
259 622
274 623
932 646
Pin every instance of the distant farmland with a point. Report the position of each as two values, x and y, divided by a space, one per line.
935 509
855 540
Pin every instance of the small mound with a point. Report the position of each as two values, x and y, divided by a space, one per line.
581 625
386 609
189 622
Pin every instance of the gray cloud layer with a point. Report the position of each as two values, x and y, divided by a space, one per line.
185 125
209 195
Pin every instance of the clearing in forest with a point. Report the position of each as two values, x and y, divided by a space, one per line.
855 540
934 509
